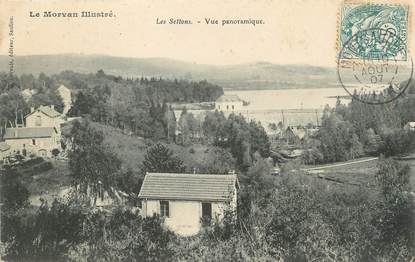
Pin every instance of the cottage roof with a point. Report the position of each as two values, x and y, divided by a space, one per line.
4 146
188 186
47 110
228 98
28 132
411 124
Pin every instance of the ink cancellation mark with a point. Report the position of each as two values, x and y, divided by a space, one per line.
375 77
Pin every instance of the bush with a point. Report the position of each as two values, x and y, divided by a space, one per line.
43 167
45 235
398 142
125 236
32 162
55 152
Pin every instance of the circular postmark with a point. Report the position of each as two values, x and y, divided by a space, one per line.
373 67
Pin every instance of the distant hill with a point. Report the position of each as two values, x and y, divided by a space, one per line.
261 75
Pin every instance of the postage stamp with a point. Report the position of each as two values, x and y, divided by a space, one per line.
391 22
374 64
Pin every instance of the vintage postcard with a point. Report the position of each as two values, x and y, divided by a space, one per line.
223 130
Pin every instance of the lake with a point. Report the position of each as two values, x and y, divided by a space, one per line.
313 98
290 106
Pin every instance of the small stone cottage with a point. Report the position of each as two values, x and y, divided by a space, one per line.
184 199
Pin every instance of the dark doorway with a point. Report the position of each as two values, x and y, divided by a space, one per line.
207 211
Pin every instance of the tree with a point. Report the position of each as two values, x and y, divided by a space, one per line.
371 141
398 142
161 159
396 217
170 122
218 161
48 97
12 107
93 166
185 126
259 139
312 156
356 148
80 106
212 126
14 195
57 229
338 141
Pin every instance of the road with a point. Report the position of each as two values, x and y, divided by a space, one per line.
340 164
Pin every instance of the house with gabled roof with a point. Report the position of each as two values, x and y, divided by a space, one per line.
44 116
40 136
32 140
186 200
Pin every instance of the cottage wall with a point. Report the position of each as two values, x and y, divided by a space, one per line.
185 216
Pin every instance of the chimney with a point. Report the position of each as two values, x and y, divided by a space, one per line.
52 107
15 133
32 109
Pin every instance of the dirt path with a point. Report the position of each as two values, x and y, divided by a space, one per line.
341 164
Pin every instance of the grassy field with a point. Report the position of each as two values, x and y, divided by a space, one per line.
130 149
361 174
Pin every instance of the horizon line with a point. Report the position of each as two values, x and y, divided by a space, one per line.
173 59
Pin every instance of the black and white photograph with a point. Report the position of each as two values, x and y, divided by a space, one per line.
222 130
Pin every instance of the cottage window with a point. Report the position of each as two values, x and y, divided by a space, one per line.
227 107
207 211
233 107
34 142
164 208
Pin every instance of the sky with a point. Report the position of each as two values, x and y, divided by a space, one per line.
295 31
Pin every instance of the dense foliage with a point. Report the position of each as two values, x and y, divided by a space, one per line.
134 105
93 166
242 138
294 218
161 159
358 129
14 106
